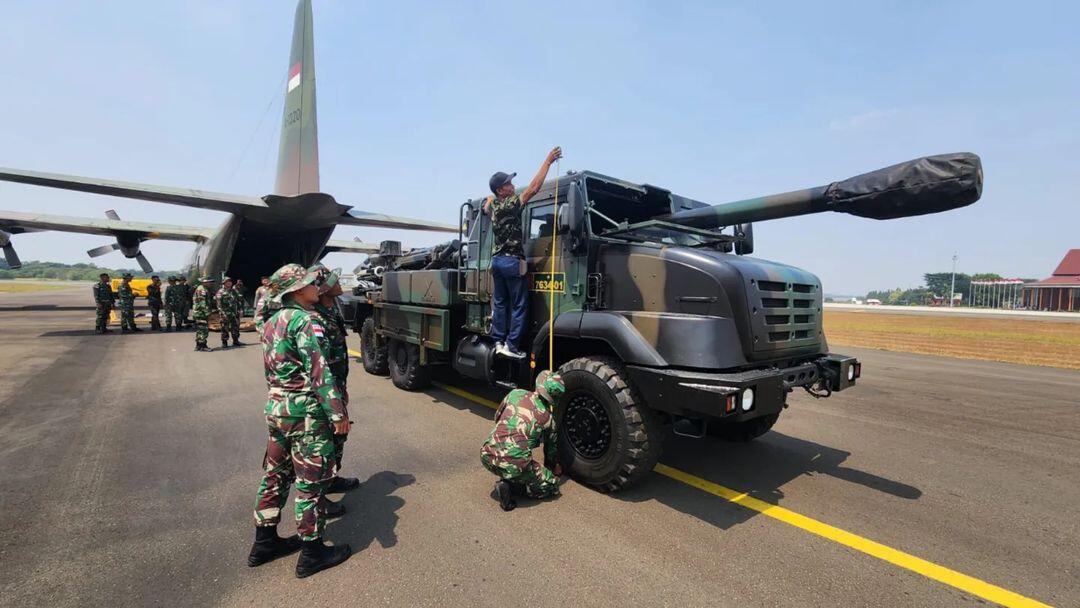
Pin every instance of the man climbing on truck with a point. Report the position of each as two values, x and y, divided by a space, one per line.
509 294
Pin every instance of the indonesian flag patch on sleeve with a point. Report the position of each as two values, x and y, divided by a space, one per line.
318 330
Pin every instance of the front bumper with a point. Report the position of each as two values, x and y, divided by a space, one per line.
723 395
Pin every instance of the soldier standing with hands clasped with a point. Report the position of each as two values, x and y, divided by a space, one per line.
200 312
303 413
509 297
104 299
523 422
229 306
127 305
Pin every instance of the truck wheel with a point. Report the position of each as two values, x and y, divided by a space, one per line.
742 431
608 438
374 358
405 369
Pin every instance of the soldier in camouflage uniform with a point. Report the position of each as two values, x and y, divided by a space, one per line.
303 412
337 360
104 299
509 296
524 421
187 299
153 300
170 304
229 306
260 298
200 312
127 305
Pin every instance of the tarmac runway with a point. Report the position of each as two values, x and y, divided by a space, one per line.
133 463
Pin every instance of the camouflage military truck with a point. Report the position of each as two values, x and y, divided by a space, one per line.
662 320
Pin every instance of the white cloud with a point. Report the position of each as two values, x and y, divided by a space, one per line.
863 120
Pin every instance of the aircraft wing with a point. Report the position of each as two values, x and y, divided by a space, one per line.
355 217
231 203
350 246
16 222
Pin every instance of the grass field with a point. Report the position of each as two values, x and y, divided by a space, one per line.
993 339
16 286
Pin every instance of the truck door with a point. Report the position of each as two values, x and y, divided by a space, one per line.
567 281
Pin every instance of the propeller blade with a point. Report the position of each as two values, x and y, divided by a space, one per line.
11 257
112 215
144 263
97 252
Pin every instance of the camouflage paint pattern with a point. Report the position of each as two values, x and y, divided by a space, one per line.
127 307
338 360
173 305
262 293
302 449
524 421
104 299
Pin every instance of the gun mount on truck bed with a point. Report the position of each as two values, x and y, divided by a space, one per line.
660 316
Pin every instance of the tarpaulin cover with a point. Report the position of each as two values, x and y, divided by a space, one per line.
925 185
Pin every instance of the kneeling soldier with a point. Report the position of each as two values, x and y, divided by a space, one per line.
524 421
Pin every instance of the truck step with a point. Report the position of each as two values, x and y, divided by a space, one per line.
506 384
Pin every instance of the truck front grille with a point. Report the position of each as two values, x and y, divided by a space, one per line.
784 315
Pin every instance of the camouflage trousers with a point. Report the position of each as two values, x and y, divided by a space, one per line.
183 312
170 315
155 319
539 482
101 318
339 440
300 449
230 326
202 331
127 317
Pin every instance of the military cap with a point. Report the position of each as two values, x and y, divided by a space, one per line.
290 278
225 278
499 179
325 278
127 275
550 386
206 279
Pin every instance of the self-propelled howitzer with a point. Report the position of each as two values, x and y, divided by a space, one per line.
930 184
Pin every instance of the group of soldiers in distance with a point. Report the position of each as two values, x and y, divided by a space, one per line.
184 306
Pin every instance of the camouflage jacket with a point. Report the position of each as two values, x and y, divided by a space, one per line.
171 293
103 294
260 296
153 295
189 293
201 307
228 302
523 422
506 226
127 297
265 307
297 373
334 344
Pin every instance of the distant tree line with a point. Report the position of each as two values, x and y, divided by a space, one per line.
70 272
935 284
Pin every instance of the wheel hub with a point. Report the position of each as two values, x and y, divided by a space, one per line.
587 426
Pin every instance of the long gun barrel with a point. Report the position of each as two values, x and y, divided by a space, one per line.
925 185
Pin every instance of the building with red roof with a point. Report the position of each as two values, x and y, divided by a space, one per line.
1061 291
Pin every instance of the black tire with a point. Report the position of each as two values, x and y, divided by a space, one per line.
405 369
747 430
608 438
374 358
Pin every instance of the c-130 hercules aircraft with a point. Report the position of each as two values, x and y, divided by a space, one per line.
293 224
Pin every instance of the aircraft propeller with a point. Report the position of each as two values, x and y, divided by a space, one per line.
129 246
10 256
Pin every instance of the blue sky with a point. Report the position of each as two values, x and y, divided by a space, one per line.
420 102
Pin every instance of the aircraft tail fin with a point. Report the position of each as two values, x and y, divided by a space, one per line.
298 156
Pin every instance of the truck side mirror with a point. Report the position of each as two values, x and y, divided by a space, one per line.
572 212
745 233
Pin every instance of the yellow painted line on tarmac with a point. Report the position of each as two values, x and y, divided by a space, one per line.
952 578
354 353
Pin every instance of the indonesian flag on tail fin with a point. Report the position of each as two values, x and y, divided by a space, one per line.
294 77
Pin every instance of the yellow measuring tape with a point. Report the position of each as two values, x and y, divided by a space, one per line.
551 276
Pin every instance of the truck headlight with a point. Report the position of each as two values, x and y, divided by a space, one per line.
747 399
851 373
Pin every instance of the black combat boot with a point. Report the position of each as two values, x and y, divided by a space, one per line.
504 491
237 343
315 556
269 546
224 344
343 484
331 510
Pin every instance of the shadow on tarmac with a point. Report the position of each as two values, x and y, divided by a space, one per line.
759 468
45 307
376 508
